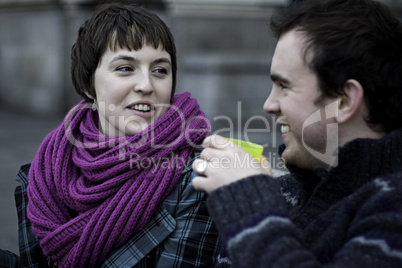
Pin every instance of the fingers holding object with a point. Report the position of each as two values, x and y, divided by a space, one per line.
218 147
215 142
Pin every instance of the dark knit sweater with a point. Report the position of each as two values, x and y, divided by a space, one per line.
351 218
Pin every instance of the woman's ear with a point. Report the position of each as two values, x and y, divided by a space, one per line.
89 95
351 101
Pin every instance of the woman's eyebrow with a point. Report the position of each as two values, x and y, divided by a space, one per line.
132 59
163 60
123 57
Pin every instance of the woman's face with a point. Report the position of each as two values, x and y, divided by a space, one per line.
133 89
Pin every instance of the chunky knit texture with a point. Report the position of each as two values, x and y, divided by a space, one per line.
350 216
89 193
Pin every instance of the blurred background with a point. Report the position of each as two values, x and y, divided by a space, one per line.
223 48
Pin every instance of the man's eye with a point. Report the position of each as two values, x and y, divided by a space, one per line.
282 86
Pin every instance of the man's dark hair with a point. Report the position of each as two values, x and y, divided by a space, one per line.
114 26
352 39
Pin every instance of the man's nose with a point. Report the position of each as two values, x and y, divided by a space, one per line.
271 105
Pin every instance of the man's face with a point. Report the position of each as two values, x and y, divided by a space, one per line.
293 100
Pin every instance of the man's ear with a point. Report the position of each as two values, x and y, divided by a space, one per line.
351 101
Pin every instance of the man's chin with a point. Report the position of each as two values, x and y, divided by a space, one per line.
291 158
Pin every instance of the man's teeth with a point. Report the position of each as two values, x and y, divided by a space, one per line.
285 129
142 107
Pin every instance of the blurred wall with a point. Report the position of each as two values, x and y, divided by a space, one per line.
35 40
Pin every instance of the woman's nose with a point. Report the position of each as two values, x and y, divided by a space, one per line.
144 83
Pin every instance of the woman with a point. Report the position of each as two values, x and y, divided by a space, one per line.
112 184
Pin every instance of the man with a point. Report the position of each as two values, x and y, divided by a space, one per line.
337 94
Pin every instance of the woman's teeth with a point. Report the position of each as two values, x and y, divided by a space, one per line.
142 107
285 129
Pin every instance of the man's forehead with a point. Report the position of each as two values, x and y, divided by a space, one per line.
290 50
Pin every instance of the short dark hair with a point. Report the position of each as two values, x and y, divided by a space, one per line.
116 25
352 39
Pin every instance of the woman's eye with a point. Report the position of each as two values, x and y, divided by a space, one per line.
161 71
124 69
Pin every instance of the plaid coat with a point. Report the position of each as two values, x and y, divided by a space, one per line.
180 234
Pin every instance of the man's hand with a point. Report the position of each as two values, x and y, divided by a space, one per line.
222 162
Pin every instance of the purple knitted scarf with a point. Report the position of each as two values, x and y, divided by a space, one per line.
89 193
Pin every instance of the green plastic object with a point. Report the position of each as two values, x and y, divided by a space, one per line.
254 149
